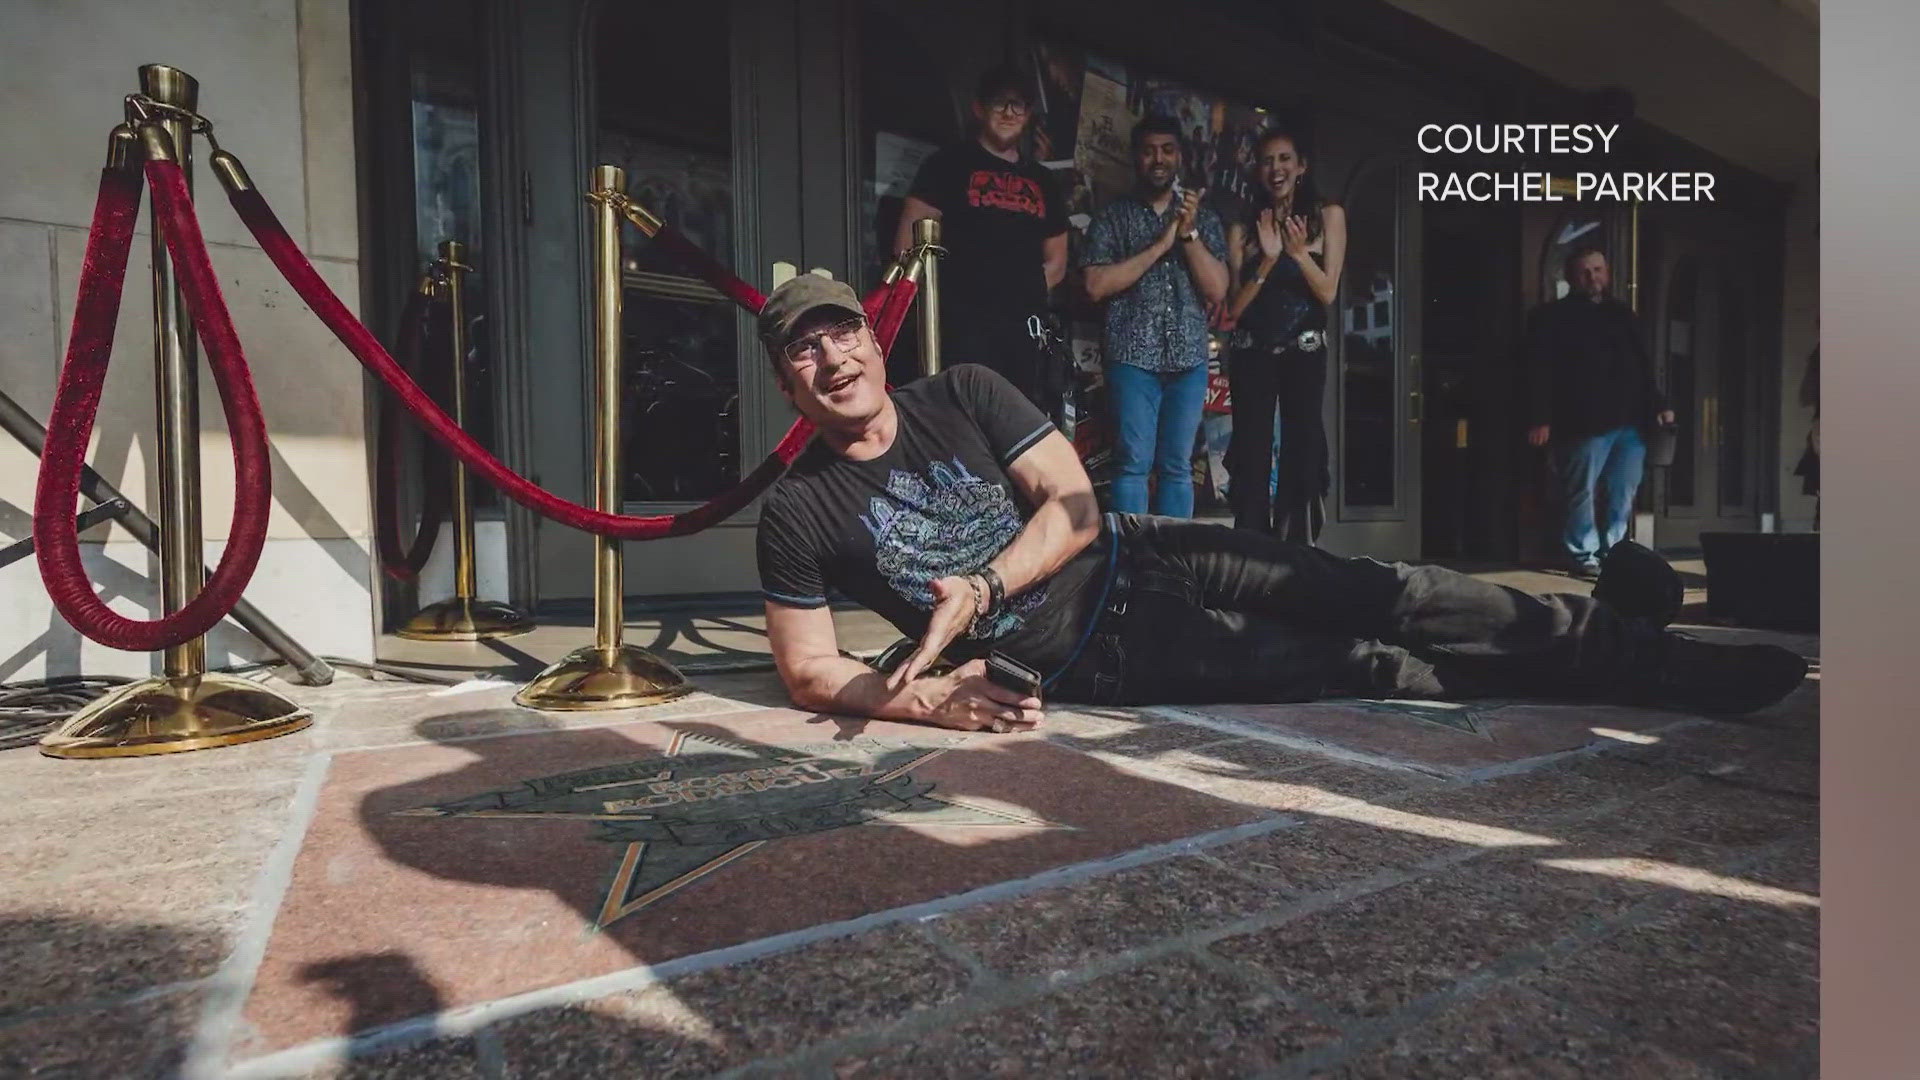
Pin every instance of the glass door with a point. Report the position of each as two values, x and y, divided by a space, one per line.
1374 400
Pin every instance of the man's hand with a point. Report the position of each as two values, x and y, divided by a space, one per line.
955 604
1188 212
1169 236
1664 417
1538 435
966 700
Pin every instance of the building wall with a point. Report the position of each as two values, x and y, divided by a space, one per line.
276 79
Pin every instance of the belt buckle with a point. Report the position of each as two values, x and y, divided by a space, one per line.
1311 340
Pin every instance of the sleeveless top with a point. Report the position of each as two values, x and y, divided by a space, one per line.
1284 306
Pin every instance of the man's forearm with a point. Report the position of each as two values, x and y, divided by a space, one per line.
1055 271
839 684
1112 278
1060 529
1209 273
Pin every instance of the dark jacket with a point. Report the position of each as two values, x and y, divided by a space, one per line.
1587 371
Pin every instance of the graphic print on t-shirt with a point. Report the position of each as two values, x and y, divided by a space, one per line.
1006 191
947 523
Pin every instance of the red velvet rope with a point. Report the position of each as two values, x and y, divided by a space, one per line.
90 346
697 259
418 349
887 308
77 400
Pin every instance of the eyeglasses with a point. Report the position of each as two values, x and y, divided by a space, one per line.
1009 105
805 351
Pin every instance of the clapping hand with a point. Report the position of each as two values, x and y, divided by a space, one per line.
1188 212
1268 228
1295 238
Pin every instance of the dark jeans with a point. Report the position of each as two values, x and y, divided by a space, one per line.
1215 614
1297 382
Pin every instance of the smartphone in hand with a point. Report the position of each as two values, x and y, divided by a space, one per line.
1010 674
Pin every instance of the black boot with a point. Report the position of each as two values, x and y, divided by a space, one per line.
1639 584
1722 680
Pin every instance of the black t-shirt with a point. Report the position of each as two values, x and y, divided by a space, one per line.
1285 305
995 217
937 503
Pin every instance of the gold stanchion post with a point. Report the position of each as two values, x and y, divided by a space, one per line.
463 617
187 708
607 674
926 238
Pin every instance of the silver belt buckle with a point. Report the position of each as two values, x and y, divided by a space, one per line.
1311 340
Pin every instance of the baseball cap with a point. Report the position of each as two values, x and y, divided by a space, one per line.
789 303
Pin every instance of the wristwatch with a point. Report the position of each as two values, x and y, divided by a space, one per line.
1190 234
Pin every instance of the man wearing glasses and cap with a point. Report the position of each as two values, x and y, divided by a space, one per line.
953 509
1003 223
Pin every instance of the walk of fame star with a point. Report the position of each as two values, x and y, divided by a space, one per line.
708 801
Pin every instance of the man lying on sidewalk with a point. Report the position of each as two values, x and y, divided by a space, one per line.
954 510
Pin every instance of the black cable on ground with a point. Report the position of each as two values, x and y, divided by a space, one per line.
30 709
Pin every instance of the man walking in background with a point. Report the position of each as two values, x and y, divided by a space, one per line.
1591 389
1158 262
1003 222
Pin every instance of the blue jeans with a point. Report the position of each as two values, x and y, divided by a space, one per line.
1613 460
1158 415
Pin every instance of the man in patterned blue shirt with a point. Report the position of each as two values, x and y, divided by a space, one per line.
1158 263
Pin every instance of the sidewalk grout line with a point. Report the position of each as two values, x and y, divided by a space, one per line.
231 985
490 1055
1542 762
956 952
1311 1008
1244 730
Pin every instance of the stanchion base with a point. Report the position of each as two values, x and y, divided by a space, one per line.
591 679
169 716
465 620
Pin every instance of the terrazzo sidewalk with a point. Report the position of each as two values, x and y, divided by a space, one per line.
436 883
